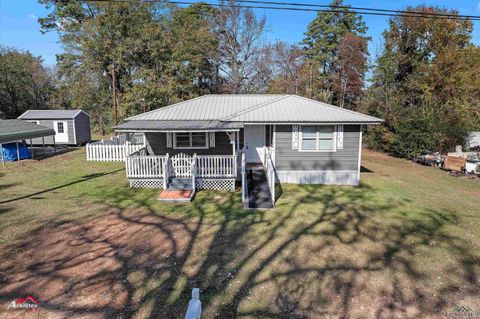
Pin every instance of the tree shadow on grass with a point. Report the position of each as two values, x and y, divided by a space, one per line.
81 180
324 251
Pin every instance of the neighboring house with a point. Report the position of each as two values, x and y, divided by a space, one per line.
299 140
72 127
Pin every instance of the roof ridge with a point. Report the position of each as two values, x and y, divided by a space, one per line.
281 97
337 107
165 107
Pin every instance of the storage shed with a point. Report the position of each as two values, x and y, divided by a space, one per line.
72 127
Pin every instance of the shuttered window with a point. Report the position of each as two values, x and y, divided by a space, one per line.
317 138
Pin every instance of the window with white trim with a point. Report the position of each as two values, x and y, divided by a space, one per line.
317 138
190 140
60 128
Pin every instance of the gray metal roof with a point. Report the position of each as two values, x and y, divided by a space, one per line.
208 107
276 108
175 125
49 114
294 108
16 130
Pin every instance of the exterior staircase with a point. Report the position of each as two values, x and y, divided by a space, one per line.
180 189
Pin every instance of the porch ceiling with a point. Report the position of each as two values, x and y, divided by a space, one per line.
178 125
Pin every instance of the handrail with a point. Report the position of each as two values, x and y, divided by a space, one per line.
194 171
165 171
244 181
270 174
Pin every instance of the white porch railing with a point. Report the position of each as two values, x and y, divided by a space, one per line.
217 166
139 165
270 174
145 166
110 152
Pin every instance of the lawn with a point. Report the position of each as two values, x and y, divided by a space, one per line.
404 244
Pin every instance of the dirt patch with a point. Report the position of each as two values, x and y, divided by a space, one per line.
88 268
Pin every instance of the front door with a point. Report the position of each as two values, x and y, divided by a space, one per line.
61 131
254 141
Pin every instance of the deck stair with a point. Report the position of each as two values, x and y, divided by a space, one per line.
179 190
180 183
258 191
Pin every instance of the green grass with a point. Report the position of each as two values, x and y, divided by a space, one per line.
405 243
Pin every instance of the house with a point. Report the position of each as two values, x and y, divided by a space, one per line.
213 140
72 127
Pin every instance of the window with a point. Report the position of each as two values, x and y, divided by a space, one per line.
190 140
317 138
60 127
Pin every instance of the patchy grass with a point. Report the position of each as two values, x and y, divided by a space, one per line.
404 244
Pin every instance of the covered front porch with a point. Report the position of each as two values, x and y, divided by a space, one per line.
193 156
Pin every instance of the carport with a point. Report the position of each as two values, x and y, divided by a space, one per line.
13 131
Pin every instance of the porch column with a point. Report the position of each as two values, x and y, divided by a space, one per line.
43 145
1 153
31 147
238 139
54 149
18 152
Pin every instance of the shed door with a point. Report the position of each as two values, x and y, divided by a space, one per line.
254 141
61 131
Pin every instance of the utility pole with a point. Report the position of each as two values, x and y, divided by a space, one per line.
114 95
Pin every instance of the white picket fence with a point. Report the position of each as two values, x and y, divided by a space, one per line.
110 152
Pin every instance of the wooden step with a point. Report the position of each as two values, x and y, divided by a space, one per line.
176 195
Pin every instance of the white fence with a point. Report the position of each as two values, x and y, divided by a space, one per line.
110 152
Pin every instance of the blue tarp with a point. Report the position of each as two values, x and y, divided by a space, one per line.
10 151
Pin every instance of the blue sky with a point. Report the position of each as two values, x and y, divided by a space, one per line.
19 27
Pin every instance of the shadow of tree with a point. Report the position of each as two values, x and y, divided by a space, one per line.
323 252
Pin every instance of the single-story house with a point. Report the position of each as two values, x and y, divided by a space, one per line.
297 139
72 127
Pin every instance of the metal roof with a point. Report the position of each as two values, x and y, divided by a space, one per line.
276 108
16 130
49 114
208 107
175 125
294 108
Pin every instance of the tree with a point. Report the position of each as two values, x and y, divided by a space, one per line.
425 75
347 77
321 43
24 82
242 54
288 69
146 55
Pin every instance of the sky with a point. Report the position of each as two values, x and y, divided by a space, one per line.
19 27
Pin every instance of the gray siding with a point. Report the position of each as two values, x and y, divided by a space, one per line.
157 145
287 159
82 128
49 139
